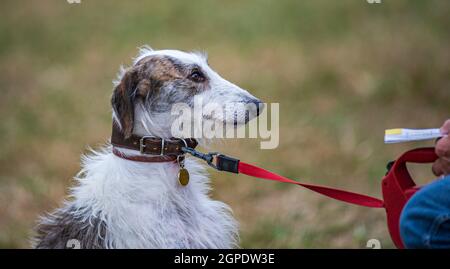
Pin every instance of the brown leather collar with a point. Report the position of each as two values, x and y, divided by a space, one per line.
153 149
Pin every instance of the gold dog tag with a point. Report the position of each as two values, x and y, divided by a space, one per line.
183 176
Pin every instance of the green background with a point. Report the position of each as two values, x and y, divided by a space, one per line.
342 71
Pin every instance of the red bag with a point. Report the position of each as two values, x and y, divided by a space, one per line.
398 187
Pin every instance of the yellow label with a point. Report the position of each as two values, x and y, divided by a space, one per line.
393 132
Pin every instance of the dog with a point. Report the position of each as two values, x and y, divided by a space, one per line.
121 201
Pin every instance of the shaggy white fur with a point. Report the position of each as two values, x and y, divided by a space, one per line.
144 206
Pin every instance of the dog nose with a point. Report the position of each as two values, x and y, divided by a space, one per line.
259 107
258 104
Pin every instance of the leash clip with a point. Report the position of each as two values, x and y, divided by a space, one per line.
215 160
213 156
207 157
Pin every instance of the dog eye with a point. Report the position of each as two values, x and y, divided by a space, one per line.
197 76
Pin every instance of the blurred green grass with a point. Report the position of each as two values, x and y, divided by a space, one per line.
342 71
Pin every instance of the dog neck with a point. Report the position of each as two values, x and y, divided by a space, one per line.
148 148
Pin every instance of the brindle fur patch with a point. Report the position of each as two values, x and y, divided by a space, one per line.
159 82
55 231
162 70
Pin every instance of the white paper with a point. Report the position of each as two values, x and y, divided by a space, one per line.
404 135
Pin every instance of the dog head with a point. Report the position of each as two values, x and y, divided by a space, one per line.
145 93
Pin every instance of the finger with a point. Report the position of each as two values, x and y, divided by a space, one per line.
445 129
443 147
441 167
437 168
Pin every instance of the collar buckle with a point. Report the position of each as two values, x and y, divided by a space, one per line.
142 145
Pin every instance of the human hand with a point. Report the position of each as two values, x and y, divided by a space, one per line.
441 166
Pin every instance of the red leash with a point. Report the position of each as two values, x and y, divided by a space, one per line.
397 185
225 163
341 195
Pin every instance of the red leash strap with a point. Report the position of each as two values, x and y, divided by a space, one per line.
229 164
341 195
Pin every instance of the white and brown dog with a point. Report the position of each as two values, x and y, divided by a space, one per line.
129 203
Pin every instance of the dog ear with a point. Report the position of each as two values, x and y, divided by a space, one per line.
123 100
